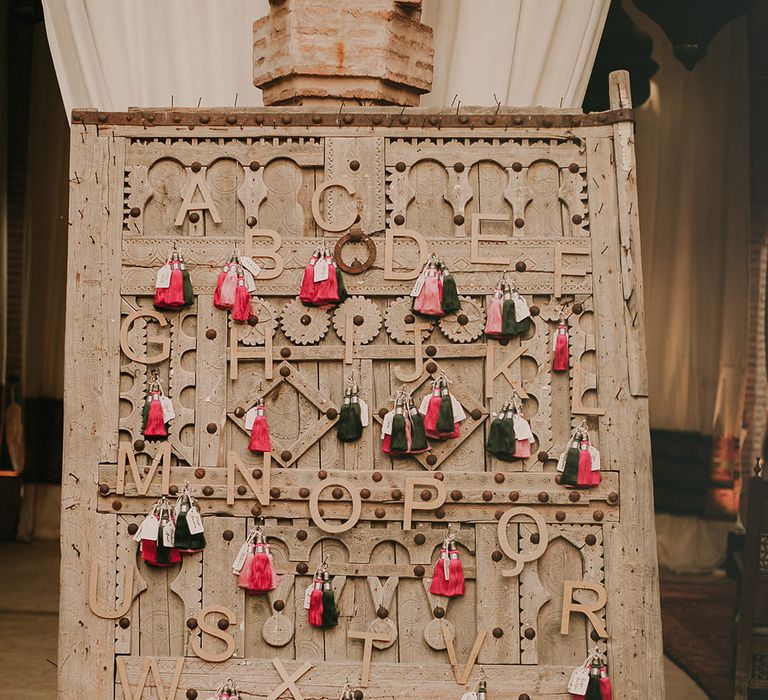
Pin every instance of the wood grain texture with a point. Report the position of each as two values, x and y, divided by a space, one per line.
554 206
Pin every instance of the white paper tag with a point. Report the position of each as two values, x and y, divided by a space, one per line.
595 453
386 424
147 530
250 282
320 273
308 596
521 309
169 531
249 265
167 405
237 565
364 415
163 280
250 418
579 681
418 285
424 405
522 428
458 410
561 461
469 696
194 521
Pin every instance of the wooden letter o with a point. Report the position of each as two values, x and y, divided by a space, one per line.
321 222
518 557
165 343
314 507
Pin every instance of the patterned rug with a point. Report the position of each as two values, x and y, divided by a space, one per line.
697 615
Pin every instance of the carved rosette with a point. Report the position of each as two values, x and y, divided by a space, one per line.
366 320
304 325
397 320
466 325
267 316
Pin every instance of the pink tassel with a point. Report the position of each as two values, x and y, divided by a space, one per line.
328 290
241 311
244 579
456 575
522 449
440 584
226 287
606 691
172 297
155 426
386 445
429 301
560 360
433 412
308 292
584 477
316 605
261 578
260 442
493 315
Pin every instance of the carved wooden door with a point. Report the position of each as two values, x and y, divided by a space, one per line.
551 199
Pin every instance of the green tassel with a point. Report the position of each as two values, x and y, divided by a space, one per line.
445 422
418 436
508 321
163 552
507 454
523 326
342 287
183 538
450 302
189 294
350 427
593 689
399 440
501 436
144 415
493 441
330 612
571 470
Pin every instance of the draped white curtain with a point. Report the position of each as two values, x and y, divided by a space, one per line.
112 54
693 186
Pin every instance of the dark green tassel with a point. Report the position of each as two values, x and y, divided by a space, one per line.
183 539
508 320
593 689
350 427
507 453
493 441
343 294
189 294
450 302
330 612
523 326
399 440
418 436
144 415
501 436
445 422
163 552
571 470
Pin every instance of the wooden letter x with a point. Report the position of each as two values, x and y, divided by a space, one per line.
289 682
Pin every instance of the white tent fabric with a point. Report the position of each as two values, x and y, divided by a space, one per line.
112 54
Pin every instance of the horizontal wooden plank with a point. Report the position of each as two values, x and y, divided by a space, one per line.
257 678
